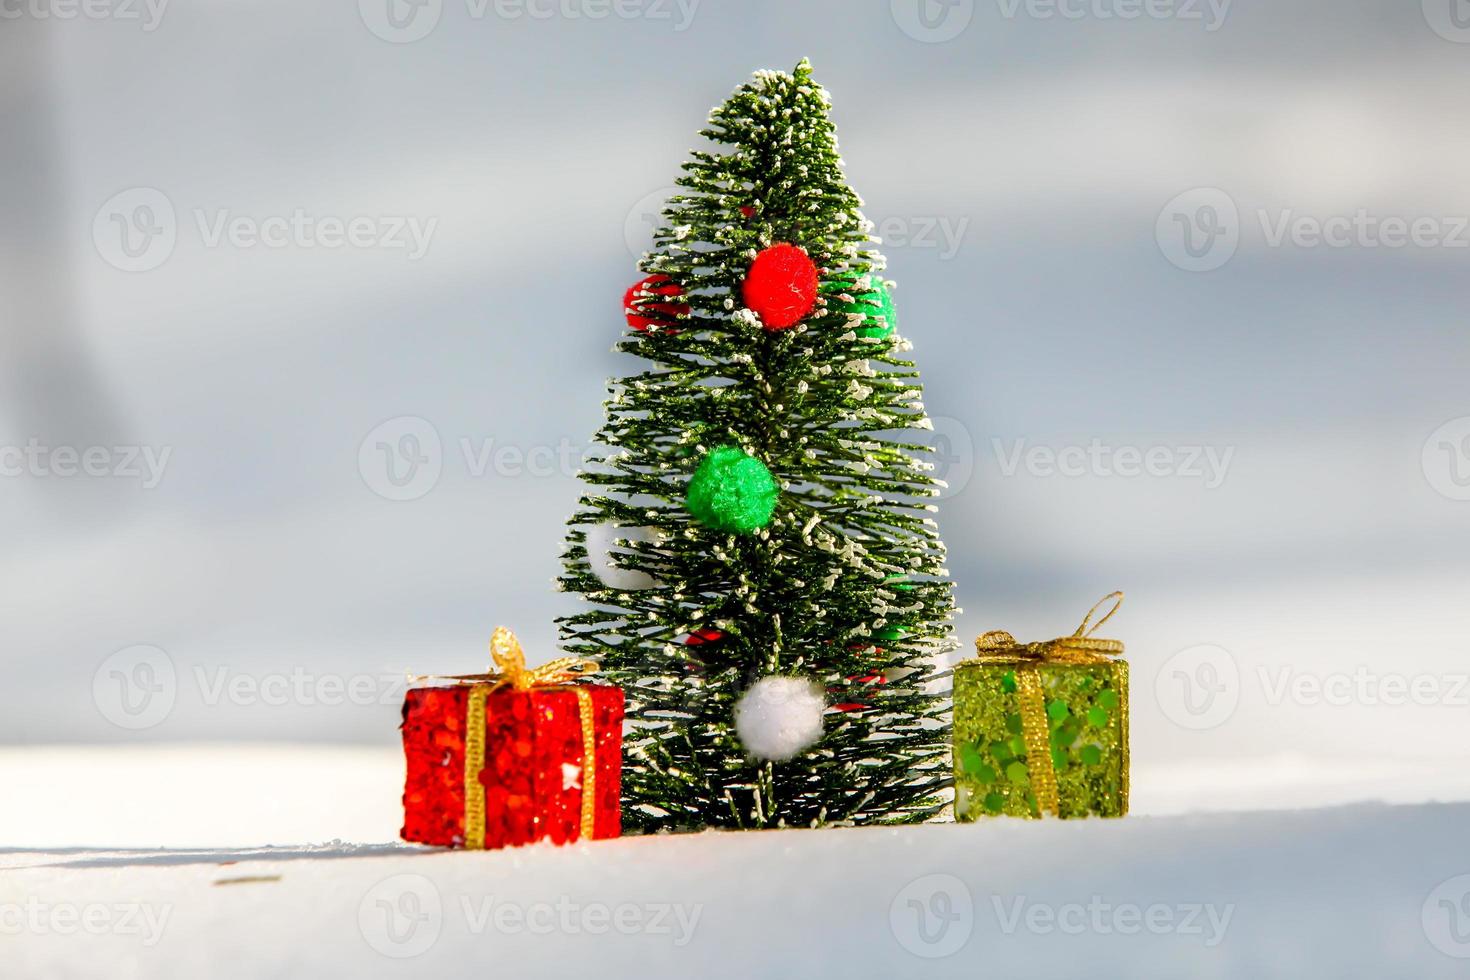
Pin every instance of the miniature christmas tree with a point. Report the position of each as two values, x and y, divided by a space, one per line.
763 575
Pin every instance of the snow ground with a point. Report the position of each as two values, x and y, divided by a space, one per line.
1360 891
242 795
176 882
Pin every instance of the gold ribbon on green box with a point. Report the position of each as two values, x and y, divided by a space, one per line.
1000 648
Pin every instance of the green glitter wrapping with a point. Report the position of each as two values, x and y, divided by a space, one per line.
1086 706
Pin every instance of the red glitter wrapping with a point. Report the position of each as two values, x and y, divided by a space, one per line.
533 764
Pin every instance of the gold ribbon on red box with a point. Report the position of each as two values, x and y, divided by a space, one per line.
510 659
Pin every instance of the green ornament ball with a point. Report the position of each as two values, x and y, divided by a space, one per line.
732 491
876 303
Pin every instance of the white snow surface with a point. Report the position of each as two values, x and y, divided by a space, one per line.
246 795
1347 892
174 881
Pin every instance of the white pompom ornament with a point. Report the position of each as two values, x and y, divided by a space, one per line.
602 540
779 717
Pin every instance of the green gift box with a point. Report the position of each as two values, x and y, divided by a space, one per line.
1042 728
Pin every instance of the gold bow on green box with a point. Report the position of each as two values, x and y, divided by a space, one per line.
1042 728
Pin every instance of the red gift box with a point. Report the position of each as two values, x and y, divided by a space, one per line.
504 759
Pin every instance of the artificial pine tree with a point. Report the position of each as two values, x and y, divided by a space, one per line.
774 599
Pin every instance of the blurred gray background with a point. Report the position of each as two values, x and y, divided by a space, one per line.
348 275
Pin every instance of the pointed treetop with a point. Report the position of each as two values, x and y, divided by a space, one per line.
773 80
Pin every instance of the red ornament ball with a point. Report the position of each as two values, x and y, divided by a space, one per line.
645 315
701 637
781 286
